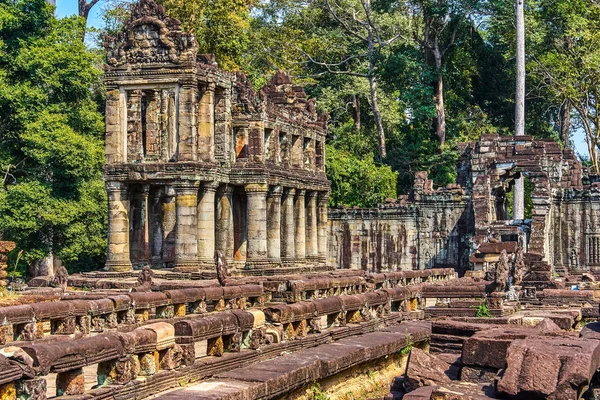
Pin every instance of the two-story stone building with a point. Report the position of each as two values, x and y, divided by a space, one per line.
198 161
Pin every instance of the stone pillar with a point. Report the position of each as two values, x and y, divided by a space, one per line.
156 227
206 225
312 250
169 221
145 225
114 143
135 147
323 202
256 256
274 225
224 222
118 258
206 124
300 226
186 245
288 234
187 124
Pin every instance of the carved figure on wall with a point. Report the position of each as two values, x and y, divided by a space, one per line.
574 263
61 278
519 266
502 271
144 280
222 273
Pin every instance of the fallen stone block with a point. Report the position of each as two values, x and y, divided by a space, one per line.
556 368
424 370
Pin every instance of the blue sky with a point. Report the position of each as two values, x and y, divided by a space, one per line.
69 7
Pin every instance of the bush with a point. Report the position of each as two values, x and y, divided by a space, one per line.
358 181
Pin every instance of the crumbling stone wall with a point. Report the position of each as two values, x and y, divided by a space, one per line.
442 227
419 231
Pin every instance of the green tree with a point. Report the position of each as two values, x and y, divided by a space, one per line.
358 181
52 197
221 27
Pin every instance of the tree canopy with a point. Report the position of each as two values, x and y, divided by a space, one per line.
52 197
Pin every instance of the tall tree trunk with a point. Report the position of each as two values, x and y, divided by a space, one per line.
377 116
356 111
519 188
374 101
565 122
84 9
440 130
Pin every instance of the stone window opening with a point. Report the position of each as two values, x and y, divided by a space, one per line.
500 204
296 151
284 151
267 144
307 151
240 140
593 249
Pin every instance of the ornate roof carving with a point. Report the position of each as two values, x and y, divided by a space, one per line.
150 37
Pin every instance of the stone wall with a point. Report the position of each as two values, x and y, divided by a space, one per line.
422 231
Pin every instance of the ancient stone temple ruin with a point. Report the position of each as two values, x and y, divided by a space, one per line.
466 225
198 161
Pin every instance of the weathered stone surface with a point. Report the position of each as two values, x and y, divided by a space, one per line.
424 370
70 383
557 368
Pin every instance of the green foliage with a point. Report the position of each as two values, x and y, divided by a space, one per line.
51 150
358 181
316 393
406 350
483 311
221 27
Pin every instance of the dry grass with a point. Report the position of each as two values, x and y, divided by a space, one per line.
8 298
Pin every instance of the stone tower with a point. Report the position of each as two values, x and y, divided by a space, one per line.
198 161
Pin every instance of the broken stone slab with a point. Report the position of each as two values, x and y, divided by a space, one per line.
488 348
424 369
556 368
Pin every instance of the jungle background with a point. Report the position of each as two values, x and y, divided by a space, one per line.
403 83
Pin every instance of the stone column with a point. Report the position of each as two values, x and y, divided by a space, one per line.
274 225
144 224
256 256
323 202
118 258
135 148
186 245
188 148
288 235
169 221
206 225
312 250
206 124
156 227
114 128
224 222
300 226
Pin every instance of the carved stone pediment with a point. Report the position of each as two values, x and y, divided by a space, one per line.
150 37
